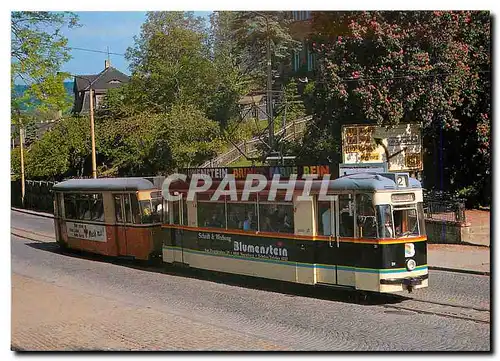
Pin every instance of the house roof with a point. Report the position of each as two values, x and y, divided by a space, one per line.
107 79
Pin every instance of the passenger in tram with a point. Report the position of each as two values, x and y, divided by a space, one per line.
287 225
267 226
214 222
249 223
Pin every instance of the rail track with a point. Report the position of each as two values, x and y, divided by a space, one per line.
405 304
476 314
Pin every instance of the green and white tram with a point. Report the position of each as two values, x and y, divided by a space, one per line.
367 234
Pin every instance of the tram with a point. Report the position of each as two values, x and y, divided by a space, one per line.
363 231
109 216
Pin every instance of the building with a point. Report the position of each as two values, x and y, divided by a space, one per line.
109 78
303 61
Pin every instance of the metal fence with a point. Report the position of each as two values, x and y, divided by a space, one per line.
444 206
38 195
293 130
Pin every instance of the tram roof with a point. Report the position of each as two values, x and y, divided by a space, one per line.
354 182
369 181
104 184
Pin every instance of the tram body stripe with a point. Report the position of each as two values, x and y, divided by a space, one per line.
298 237
299 264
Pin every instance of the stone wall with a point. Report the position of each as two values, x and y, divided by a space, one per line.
441 231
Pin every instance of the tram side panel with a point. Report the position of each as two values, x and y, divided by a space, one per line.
304 251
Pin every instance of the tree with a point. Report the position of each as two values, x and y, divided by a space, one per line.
231 82
170 63
38 50
390 67
150 144
251 32
64 151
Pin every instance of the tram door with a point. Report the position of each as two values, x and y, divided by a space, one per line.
120 230
326 254
348 252
178 215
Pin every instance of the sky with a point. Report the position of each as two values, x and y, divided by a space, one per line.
100 30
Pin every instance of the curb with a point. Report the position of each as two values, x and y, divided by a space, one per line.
32 213
458 270
32 236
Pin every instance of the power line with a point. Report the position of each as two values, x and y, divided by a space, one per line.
95 51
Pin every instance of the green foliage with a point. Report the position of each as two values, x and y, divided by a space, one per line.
38 50
429 67
293 107
170 63
15 163
250 34
60 152
147 144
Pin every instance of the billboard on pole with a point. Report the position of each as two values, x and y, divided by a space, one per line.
365 144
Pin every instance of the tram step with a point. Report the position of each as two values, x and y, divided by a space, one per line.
332 285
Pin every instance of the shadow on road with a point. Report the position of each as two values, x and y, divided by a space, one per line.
287 288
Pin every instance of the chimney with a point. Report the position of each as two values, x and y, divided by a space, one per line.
107 63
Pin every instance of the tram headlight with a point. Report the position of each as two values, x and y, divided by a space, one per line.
411 264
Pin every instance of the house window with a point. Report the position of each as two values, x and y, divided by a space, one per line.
296 61
98 100
114 81
310 59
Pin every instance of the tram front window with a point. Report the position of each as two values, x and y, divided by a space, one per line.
405 222
384 220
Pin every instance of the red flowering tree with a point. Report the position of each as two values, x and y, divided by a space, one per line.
388 67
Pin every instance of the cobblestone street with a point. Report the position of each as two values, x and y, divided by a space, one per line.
72 302
48 317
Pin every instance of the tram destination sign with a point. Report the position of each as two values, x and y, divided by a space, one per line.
268 171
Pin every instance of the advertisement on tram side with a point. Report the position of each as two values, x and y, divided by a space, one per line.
91 232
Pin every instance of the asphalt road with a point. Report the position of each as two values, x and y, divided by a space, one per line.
304 319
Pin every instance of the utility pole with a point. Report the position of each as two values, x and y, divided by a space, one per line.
92 134
269 88
21 141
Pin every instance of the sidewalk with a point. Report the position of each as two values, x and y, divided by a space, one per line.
448 257
459 258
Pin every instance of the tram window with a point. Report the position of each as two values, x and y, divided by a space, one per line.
346 217
165 211
157 209
210 214
365 213
276 217
384 220
96 207
83 207
324 217
126 205
69 206
136 213
176 213
405 222
174 207
242 215
184 212
118 208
